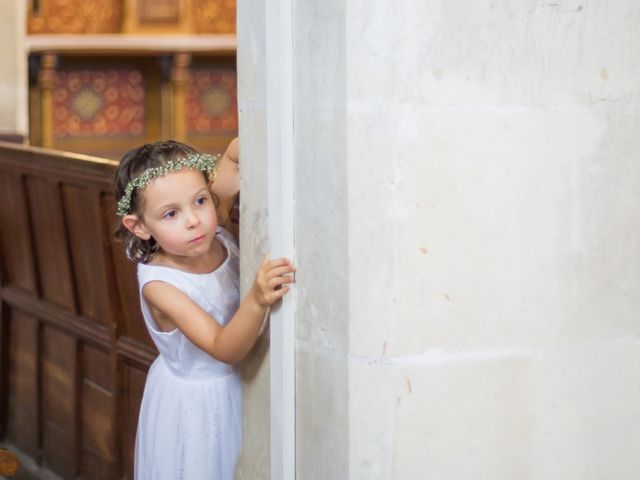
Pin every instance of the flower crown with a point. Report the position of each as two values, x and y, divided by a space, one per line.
195 161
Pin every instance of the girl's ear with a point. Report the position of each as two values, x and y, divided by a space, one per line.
135 226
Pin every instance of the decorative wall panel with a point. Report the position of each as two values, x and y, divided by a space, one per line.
99 103
211 101
106 104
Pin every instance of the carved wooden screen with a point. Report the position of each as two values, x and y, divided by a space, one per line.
131 16
73 348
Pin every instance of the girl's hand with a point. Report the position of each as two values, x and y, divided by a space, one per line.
272 281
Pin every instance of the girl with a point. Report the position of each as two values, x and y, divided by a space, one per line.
190 419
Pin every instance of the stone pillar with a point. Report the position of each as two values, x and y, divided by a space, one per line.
254 461
468 212
13 71
322 420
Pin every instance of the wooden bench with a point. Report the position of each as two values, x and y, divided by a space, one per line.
73 349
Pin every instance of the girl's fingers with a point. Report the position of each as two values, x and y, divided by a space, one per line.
275 295
280 271
274 282
273 278
278 262
268 264
280 292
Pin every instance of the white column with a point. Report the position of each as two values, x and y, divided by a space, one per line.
279 67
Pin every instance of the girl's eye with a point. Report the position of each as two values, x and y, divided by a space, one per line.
170 214
201 200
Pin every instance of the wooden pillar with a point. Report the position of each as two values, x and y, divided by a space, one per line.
180 83
46 83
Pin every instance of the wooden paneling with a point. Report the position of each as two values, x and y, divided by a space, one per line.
98 452
96 368
125 275
51 245
98 412
134 378
94 467
86 247
15 234
74 352
59 451
59 400
23 425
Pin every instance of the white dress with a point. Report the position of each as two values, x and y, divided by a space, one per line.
190 423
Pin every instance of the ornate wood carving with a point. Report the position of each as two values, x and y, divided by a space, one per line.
159 11
132 16
214 16
157 16
76 16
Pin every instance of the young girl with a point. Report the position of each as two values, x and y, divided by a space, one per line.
190 419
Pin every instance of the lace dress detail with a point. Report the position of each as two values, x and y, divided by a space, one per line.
190 423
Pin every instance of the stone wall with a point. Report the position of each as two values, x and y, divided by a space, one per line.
254 460
468 232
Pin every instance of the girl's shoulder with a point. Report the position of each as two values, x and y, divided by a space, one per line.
149 273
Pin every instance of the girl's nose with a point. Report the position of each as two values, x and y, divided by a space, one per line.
192 220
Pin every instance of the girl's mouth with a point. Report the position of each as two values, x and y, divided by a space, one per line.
197 239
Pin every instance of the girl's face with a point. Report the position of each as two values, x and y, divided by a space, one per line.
179 213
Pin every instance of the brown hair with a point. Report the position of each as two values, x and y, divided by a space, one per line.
132 164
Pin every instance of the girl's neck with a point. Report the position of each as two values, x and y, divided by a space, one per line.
206 263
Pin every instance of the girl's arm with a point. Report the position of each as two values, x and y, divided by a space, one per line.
229 344
227 183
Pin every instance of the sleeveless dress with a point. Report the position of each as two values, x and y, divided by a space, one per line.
190 423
